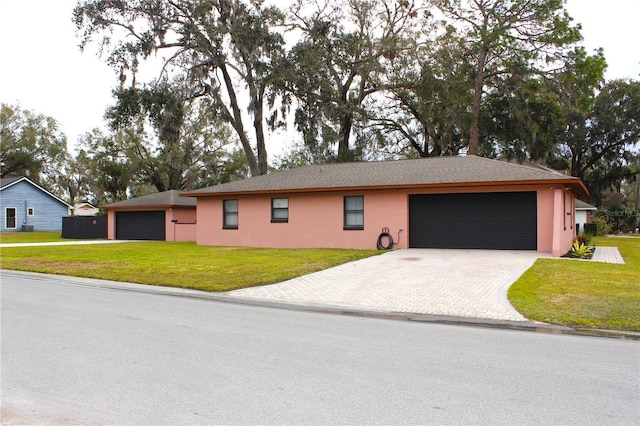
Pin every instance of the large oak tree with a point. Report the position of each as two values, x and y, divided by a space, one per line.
222 50
32 145
508 38
342 59
427 112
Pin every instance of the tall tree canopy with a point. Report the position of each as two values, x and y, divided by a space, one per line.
342 59
31 145
162 163
107 167
609 154
426 111
508 38
171 143
221 50
523 121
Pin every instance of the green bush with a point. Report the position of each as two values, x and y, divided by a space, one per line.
591 228
603 227
620 219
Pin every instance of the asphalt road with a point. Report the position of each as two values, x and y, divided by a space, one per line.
78 354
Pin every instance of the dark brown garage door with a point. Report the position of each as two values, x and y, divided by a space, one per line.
146 225
503 220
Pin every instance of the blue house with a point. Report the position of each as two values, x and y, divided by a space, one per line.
25 206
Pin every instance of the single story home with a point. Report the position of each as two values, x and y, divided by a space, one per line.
584 215
85 209
465 202
26 206
163 216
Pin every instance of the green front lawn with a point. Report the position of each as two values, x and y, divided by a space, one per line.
31 237
583 294
185 265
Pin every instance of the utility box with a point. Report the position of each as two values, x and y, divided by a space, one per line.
591 228
27 228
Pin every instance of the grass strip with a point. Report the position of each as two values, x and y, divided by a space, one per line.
31 237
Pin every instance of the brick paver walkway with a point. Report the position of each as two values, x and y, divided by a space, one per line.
460 283
607 255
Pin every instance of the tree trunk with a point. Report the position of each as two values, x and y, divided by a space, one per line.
344 153
474 133
248 150
260 142
236 121
637 186
158 183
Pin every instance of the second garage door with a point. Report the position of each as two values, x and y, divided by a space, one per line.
503 220
145 225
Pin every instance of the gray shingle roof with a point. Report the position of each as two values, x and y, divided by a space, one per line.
14 180
8 180
159 199
581 205
424 172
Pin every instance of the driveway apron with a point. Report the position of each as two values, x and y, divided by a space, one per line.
458 283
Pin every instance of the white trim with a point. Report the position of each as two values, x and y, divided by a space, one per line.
84 205
15 218
39 187
33 211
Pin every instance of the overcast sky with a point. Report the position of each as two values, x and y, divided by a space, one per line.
43 69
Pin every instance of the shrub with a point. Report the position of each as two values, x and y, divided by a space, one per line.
580 251
591 228
603 226
585 239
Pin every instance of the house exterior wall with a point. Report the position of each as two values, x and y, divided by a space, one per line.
180 224
183 229
316 219
569 234
545 220
563 228
111 224
47 211
581 219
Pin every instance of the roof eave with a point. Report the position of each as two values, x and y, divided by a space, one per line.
24 178
138 207
574 184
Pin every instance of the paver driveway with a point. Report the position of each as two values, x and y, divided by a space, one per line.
459 283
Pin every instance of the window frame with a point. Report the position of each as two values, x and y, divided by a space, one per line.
31 211
346 213
230 213
275 219
15 218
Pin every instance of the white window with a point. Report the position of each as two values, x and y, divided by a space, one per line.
30 211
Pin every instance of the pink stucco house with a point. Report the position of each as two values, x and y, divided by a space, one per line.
443 202
162 216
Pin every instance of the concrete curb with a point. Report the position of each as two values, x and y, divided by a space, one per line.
504 290
67 243
326 309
